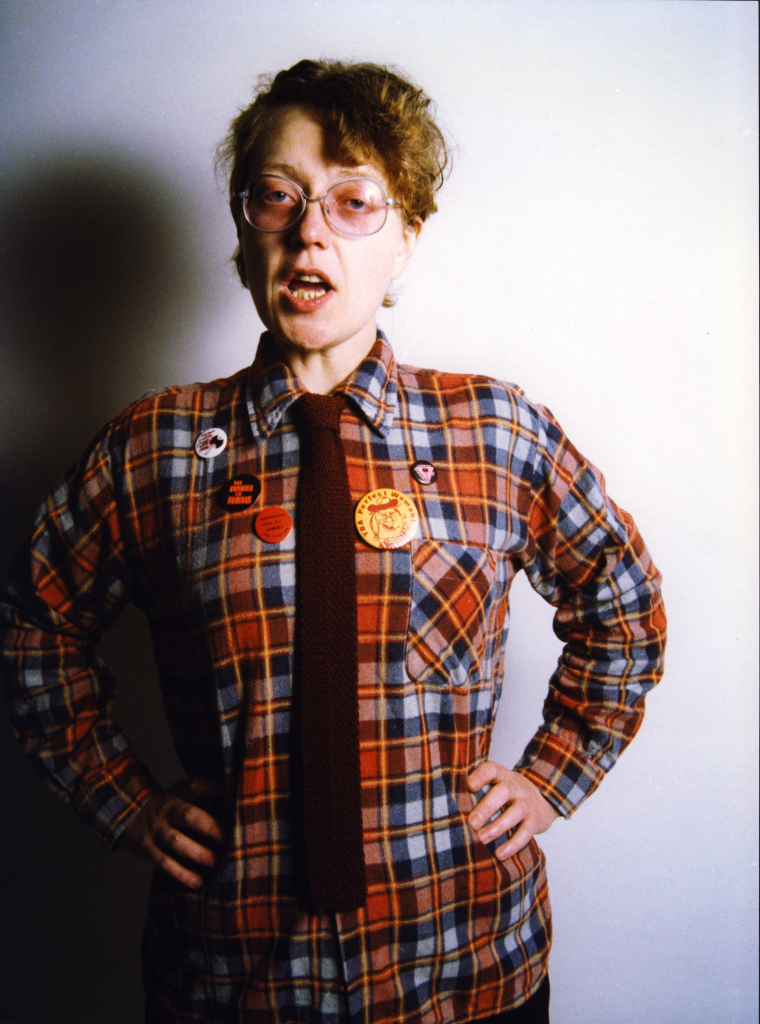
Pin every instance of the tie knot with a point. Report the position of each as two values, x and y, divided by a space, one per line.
319 411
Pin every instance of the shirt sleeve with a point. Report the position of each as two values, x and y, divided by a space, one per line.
586 557
65 588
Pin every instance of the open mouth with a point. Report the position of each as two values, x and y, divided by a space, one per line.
308 286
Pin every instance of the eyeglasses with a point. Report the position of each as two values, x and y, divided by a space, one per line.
354 206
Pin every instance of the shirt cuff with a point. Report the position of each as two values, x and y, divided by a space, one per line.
563 773
111 797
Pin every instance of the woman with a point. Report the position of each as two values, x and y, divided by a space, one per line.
342 847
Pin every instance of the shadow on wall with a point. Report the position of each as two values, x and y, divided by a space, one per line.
98 276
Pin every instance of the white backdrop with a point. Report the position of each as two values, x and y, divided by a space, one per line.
596 244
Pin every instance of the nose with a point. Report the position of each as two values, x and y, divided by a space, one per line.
312 228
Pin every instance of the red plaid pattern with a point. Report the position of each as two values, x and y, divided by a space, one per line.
448 932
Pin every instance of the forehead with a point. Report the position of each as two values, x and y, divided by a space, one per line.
295 141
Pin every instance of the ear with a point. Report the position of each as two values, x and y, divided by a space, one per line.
408 244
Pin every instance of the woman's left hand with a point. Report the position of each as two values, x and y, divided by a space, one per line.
523 804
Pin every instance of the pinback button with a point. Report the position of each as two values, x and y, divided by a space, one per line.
240 492
210 443
386 518
273 524
424 472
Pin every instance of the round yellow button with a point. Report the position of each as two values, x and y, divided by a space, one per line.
386 518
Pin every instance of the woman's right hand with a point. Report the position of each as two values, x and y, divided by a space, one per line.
172 829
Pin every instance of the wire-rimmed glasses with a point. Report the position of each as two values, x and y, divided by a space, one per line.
354 206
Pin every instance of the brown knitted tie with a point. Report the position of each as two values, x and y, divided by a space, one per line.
327 662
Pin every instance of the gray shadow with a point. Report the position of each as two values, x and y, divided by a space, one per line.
98 266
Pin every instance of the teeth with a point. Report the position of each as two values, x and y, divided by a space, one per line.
302 286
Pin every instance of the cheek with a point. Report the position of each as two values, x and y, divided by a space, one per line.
374 274
257 261
251 254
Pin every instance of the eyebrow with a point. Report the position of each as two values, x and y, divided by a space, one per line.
293 172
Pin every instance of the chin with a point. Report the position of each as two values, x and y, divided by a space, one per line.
311 333
313 339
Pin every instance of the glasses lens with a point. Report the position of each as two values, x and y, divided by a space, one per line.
357 206
272 204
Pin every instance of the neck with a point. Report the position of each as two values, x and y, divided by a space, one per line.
320 371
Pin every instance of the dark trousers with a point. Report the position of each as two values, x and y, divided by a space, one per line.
535 1011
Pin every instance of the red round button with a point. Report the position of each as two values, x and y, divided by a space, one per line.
273 524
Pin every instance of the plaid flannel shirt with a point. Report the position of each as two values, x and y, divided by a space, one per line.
448 932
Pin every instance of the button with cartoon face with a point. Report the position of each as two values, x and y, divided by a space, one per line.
424 472
210 443
240 492
386 518
273 524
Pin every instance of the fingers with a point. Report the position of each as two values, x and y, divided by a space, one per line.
190 833
496 797
519 841
175 833
501 792
485 773
190 817
517 813
509 818
184 810
524 808
157 851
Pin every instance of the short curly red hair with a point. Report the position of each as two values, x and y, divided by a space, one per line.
370 114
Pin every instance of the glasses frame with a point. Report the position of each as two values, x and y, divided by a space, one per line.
305 200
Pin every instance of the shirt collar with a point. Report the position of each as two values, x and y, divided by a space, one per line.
273 387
